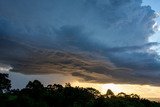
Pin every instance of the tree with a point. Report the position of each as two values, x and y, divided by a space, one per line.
121 94
5 83
67 85
109 93
135 96
93 91
35 85
54 87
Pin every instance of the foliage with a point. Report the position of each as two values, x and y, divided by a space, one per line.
109 93
36 95
5 83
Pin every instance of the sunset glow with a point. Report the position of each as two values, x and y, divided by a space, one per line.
145 91
103 44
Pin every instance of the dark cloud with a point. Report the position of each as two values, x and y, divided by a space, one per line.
132 48
96 40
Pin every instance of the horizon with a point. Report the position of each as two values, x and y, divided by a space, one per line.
116 88
104 44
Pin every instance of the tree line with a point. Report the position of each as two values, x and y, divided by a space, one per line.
35 94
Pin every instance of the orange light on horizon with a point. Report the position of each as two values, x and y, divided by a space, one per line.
145 91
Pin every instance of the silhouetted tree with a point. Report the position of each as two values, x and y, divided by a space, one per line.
109 93
135 96
67 85
93 91
36 95
121 94
34 85
5 83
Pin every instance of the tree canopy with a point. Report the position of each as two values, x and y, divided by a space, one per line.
35 94
5 83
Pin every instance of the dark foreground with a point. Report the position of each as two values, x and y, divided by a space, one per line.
36 95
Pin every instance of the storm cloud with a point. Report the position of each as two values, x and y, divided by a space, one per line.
101 41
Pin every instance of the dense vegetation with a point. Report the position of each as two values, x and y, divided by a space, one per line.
36 95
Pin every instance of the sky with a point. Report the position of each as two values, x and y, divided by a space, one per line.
111 43
155 6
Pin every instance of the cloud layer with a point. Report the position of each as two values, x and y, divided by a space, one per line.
96 40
